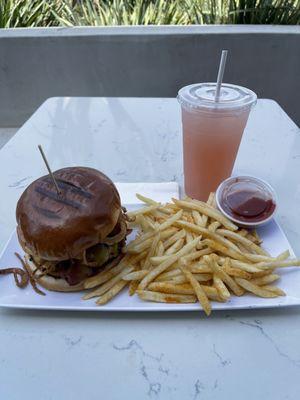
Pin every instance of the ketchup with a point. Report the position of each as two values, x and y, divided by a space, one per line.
246 203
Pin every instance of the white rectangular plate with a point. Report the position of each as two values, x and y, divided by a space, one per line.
274 241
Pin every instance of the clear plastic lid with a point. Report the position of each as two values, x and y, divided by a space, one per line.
202 96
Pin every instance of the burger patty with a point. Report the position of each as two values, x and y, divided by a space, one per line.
75 271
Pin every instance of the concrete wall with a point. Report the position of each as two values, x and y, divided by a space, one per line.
143 61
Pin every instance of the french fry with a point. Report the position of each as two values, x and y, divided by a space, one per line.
208 211
283 256
105 275
243 249
224 250
108 284
253 238
243 240
221 288
211 235
210 199
197 218
171 240
156 260
141 211
164 265
133 287
214 226
171 288
178 280
278 264
151 224
210 291
141 244
175 247
170 221
185 288
256 258
274 289
239 273
112 292
167 233
200 243
187 250
172 207
213 201
140 220
256 236
151 252
136 275
135 259
182 279
165 210
189 237
235 272
139 248
165 298
230 282
140 240
165 276
241 265
203 277
199 268
257 290
262 273
197 254
205 217
146 200
200 293
161 216
160 249
265 280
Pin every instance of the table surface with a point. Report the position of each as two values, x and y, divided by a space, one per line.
69 355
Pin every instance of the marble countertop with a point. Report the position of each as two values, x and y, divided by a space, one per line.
63 355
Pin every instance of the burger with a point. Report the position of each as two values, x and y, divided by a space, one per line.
72 234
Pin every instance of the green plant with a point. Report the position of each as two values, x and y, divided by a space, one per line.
123 12
280 12
179 12
31 13
28 13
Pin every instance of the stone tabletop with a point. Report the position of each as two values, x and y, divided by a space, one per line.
64 355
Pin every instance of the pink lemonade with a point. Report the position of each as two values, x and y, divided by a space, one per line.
211 139
209 156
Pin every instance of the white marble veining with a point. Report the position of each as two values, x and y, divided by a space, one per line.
58 355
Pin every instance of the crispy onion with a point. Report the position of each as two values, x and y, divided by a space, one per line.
21 276
125 216
118 237
88 263
47 268
30 276
114 262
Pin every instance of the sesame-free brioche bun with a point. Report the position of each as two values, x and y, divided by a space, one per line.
59 227
51 283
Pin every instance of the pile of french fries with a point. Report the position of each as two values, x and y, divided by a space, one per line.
187 251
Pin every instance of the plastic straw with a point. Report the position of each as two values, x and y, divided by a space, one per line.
221 74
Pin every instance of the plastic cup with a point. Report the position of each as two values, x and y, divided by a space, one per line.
212 132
